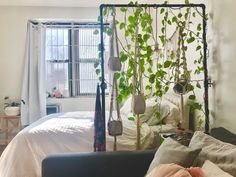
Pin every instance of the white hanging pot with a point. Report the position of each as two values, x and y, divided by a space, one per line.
139 104
181 87
114 64
12 111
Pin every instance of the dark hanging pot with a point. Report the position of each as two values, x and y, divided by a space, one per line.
181 87
139 104
114 64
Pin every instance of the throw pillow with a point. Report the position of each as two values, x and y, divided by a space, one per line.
212 170
220 153
171 151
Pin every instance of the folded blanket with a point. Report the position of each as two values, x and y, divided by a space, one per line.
174 170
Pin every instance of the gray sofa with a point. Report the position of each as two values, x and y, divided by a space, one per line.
110 164
101 164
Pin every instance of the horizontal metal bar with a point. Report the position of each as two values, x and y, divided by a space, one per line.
53 23
152 5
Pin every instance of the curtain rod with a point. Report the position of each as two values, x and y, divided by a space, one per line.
54 23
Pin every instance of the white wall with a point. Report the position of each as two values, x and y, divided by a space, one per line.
224 62
13 28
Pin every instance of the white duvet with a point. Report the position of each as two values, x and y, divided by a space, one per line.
63 133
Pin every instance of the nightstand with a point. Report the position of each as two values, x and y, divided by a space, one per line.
11 125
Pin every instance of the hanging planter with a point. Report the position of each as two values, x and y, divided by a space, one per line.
181 87
139 104
114 64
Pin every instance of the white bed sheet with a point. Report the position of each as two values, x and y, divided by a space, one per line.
62 133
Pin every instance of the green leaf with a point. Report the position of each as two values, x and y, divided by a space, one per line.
169 22
198 48
199 27
152 78
98 71
194 14
162 39
190 40
123 9
123 56
166 89
109 31
167 64
100 78
96 65
162 10
192 97
186 1
158 115
127 33
148 87
122 25
198 85
163 30
131 118
180 15
172 55
174 19
132 19
146 37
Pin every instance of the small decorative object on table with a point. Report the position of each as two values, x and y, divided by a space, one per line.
180 135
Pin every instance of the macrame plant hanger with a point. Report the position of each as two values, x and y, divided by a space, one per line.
115 127
181 84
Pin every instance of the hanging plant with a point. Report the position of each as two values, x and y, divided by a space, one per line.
144 54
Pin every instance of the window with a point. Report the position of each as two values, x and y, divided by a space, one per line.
71 52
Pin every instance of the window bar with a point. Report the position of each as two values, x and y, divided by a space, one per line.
74 86
70 62
77 62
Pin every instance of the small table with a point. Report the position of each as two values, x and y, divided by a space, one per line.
183 137
11 125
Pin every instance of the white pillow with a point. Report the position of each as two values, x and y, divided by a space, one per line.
220 153
212 170
173 117
164 111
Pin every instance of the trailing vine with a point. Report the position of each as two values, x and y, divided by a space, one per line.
157 66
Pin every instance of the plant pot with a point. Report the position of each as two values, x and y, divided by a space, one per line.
114 64
181 87
139 104
12 111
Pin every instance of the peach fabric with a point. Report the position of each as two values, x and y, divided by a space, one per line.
195 172
174 170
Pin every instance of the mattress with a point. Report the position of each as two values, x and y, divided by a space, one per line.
64 133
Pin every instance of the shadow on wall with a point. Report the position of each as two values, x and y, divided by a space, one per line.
224 62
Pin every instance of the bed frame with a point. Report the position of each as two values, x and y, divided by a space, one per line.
207 82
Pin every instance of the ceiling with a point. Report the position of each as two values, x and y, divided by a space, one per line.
66 3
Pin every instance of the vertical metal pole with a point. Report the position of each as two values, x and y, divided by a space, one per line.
205 71
103 84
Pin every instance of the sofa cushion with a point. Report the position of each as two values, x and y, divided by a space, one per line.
171 151
220 153
212 170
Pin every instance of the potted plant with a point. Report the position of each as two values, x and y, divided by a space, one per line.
11 108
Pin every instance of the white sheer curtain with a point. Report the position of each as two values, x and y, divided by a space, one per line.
33 86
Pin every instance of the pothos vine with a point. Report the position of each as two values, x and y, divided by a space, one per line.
158 67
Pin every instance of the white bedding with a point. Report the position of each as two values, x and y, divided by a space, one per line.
63 133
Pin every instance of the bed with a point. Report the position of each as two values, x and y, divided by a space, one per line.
70 132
